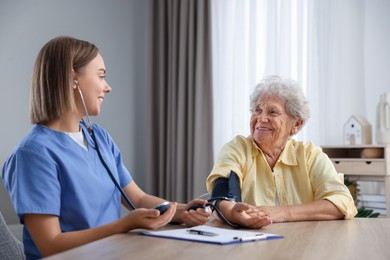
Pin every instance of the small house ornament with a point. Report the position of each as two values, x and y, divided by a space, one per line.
357 130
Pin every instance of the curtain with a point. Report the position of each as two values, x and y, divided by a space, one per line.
180 143
317 43
335 72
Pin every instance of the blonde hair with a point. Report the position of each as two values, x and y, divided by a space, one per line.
51 93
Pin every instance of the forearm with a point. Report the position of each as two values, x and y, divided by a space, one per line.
139 198
179 213
318 210
66 240
148 201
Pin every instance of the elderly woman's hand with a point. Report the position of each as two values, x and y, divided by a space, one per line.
248 216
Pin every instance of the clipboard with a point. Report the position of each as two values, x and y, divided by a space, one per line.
213 235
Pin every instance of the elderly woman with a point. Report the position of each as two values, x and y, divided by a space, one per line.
279 179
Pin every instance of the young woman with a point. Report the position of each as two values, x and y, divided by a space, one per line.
61 176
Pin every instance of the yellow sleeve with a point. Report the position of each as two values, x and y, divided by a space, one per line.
329 184
232 157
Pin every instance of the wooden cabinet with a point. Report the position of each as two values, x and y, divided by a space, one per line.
363 163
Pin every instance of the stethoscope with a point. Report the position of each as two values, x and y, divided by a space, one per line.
161 207
92 133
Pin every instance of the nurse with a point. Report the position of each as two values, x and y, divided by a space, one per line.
60 188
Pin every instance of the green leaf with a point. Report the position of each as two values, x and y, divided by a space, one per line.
366 213
374 215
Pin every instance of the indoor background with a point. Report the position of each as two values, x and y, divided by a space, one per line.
121 29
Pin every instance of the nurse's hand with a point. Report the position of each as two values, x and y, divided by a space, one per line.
147 218
195 213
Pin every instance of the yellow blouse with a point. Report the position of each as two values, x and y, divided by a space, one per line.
302 174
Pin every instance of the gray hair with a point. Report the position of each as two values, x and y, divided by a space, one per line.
297 105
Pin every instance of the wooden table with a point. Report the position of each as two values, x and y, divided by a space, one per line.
361 238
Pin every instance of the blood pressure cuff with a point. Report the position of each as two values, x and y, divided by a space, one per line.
227 187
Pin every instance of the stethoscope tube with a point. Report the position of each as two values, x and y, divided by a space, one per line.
90 130
92 133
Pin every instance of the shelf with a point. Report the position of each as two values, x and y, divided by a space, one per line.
360 152
363 163
366 160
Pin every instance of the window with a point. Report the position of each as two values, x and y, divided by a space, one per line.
317 43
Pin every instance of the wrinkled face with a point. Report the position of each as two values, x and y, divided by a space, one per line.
93 85
270 125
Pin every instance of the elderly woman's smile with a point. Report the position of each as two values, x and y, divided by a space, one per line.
270 124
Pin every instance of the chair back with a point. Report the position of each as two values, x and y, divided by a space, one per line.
10 247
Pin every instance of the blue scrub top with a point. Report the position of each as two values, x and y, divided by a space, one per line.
49 173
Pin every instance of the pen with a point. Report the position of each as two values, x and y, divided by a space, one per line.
201 232
251 237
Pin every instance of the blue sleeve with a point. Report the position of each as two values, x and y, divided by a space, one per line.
124 175
33 183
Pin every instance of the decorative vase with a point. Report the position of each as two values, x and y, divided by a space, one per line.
383 119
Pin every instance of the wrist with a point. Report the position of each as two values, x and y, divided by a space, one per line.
224 211
122 226
225 207
178 217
